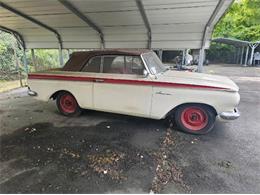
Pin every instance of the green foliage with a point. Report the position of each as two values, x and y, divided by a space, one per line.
241 22
221 53
7 46
44 58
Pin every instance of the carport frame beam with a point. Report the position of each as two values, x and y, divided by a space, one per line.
140 6
86 19
33 20
16 34
21 41
205 33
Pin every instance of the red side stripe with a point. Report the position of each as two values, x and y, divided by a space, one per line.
120 81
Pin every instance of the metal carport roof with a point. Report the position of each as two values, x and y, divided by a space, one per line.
166 24
231 41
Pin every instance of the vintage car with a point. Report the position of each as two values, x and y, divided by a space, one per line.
135 82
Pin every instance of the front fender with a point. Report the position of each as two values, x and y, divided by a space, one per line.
163 103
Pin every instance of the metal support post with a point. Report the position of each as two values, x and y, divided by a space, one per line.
183 56
142 11
246 57
209 25
16 62
25 62
242 55
60 57
201 60
33 59
68 50
160 52
251 56
253 46
237 56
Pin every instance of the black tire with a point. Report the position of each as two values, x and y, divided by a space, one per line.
195 118
67 104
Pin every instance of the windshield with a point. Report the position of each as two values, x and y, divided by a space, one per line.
154 63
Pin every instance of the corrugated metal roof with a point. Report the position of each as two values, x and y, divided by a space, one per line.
175 24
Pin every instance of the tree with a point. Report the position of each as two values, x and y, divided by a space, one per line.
241 22
7 45
44 58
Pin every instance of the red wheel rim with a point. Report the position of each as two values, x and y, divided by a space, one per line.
194 118
68 103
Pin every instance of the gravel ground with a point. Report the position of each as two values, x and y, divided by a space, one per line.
44 152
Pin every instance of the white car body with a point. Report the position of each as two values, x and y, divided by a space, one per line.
150 96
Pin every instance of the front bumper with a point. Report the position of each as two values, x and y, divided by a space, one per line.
230 115
31 93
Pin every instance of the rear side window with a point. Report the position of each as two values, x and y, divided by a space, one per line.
134 65
93 65
114 64
123 65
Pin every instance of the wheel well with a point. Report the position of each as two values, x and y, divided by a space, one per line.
171 112
54 95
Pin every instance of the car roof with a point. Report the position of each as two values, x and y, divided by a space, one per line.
80 58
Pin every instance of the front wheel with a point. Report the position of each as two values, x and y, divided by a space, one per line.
67 104
195 118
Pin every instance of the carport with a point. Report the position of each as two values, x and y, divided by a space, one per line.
78 24
242 48
42 151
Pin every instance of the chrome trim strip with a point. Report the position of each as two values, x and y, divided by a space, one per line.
162 93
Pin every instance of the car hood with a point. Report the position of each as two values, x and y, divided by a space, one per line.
193 78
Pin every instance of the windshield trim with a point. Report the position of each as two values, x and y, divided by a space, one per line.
148 67
145 65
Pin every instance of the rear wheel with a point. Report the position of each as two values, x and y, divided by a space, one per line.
67 104
195 118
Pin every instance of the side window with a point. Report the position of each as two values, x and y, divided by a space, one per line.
93 65
134 65
123 65
114 64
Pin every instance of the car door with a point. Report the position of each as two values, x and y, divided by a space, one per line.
121 88
90 71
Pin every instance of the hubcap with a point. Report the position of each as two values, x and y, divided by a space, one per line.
194 118
68 103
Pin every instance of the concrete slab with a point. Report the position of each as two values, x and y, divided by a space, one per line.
44 152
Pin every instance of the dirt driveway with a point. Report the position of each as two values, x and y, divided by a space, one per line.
44 152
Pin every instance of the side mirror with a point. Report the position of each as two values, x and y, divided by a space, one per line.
145 73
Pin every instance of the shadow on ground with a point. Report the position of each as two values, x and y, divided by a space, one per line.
94 159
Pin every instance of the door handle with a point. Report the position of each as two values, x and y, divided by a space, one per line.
99 80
